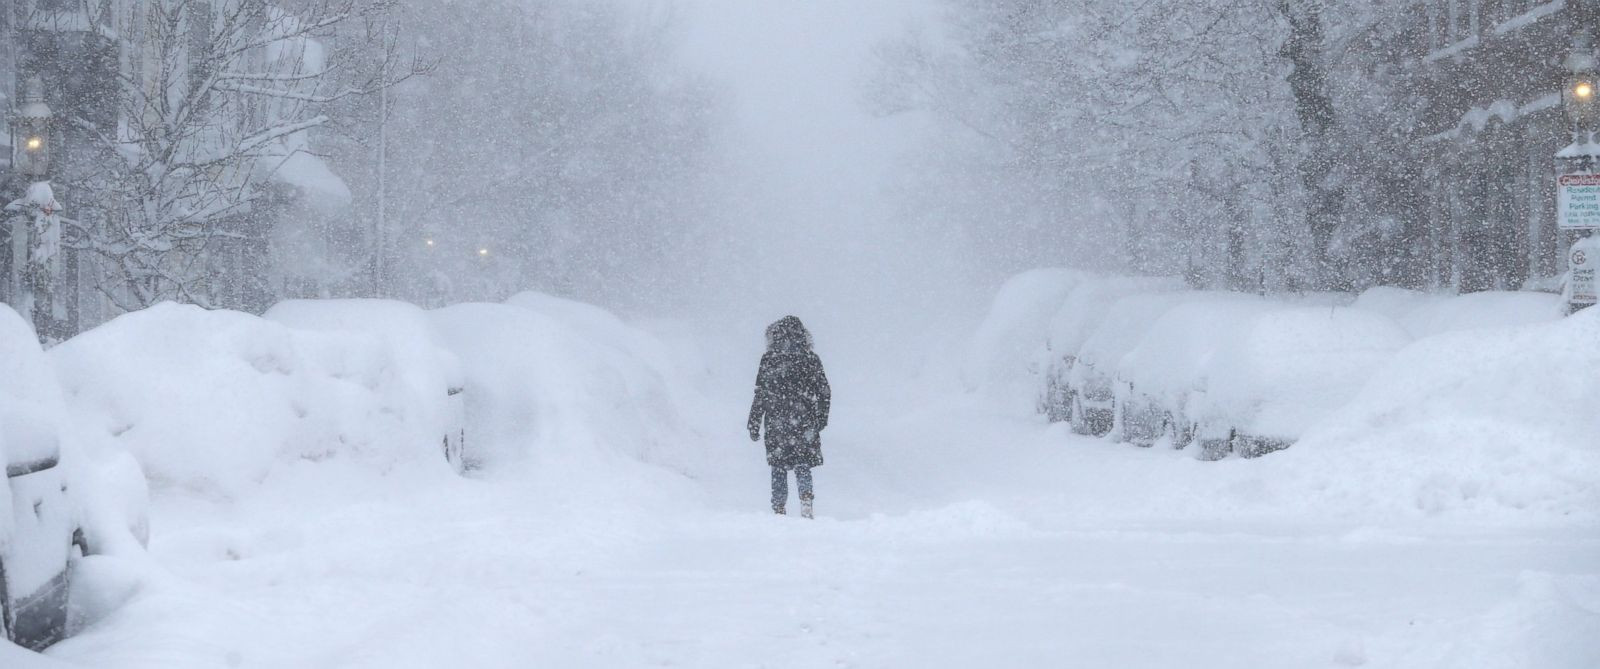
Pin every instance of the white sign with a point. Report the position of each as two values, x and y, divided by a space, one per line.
1578 201
1582 261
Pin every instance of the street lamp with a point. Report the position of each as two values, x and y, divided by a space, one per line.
1578 191
30 132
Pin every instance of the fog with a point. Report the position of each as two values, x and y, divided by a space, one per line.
883 165
806 215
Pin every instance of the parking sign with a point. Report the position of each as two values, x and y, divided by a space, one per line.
1578 201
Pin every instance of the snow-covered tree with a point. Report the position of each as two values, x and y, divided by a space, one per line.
216 103
555 146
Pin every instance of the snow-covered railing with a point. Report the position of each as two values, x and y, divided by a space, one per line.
1448 51
1529 17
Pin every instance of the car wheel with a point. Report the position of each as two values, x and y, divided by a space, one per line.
5 605
1183 434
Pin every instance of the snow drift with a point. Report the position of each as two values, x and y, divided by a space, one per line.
212 402
550 379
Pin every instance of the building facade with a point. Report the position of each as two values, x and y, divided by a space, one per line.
111 68
1490 73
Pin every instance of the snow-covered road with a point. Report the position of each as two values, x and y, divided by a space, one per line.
947 537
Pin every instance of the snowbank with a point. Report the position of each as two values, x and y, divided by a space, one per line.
213 402
1425 314
551 380
1485 422
424 368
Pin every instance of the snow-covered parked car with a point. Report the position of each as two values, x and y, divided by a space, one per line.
1157 377
1003 357
1092 379
407 330
1284 370
1073 323
38 519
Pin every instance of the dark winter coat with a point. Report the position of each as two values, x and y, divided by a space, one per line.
792 398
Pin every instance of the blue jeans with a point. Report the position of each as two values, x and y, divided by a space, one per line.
780 485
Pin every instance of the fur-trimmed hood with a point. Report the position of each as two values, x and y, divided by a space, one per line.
788 335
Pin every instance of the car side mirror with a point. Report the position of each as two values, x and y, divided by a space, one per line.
26 467
31 443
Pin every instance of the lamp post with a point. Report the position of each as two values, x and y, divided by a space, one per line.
36 233
1578 189
1579 98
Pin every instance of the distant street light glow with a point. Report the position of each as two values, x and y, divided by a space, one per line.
35 143
1583 90
429 242
483 252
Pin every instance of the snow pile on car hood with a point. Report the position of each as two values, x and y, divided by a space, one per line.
211 402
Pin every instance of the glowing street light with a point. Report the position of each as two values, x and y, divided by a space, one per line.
1579 93
32 120
428 242
483 253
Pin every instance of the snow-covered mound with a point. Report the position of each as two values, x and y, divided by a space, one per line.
1428 314
425 368
213 402
549 379
1484 421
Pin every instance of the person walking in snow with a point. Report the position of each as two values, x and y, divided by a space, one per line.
792 401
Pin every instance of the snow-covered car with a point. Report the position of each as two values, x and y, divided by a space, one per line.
1156 379
38 522
455 431
1074 322
429 368
1093 378
37 535
1003 358
1283 371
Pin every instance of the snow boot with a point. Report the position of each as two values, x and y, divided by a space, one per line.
806 509
779 510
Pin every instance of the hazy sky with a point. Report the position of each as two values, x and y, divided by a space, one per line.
808 226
